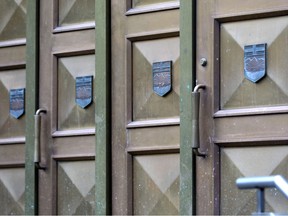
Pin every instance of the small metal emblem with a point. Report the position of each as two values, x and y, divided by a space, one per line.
84 91
255 62
17 102
162 73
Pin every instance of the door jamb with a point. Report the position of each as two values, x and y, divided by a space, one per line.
32 69
187 83
102 109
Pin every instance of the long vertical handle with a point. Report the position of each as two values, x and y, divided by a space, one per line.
37 141
195 120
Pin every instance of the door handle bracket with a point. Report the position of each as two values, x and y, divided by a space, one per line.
37 139
195 120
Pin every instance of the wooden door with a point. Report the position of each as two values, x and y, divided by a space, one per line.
145 119
12 106
66 83
243 109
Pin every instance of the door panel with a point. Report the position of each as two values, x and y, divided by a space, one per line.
13 21
71 115
156 184
12 188
242 93
251 161
12 106
243 123
66 83
146 103
145 126
76 188
72 12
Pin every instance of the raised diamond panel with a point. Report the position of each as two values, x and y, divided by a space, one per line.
12 19
70 115
238 92
248 162
146 103
75 11
156 184
76 188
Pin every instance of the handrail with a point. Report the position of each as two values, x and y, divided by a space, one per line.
261 183
264 182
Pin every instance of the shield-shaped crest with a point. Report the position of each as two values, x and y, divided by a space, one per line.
255 62
162 77
17 102
84 91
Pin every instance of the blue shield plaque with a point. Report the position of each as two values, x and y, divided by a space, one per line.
255 62
162 77
17 102
84 91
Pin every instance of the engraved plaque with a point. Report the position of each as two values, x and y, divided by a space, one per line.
255 62
162 77
17 102
84 91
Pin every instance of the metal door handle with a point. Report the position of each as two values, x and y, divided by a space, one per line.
195 120
37 139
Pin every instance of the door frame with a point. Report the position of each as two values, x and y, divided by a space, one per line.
32 68
187 83
102 110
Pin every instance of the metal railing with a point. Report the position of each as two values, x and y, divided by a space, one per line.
261 183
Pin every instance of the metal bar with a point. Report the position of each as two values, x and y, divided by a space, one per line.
282 185
264 182
37 122
37 142
198 87
261 200
195 120
261 183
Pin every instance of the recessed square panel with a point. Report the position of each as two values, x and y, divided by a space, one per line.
269 89
70 114
10 80
150 99
249 162
75 12
76 188
156 184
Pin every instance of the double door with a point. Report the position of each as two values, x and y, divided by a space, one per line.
235 56
116 127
